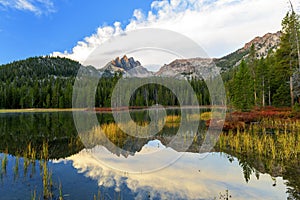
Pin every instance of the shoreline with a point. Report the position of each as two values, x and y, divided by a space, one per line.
99 109
39 110
141 108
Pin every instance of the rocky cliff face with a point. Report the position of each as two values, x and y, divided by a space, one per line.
189 68
125 63
126 66
264 44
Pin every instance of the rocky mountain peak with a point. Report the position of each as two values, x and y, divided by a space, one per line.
125 59
264 44
127 66
124 63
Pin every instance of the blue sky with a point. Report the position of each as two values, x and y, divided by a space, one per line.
72 28
25 33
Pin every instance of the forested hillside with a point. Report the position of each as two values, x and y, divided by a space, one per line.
42 82
272 80
47 82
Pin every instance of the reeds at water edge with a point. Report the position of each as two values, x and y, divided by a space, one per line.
275 139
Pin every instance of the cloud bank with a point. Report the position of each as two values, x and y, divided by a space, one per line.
38 7
219 26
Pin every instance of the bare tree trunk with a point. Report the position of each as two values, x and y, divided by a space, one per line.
291 91
146 96
291 84
255 96
270 103
263 92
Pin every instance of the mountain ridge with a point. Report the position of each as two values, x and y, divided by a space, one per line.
187 68
206 67
263 44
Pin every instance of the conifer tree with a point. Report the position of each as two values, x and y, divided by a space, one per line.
242 96
287 54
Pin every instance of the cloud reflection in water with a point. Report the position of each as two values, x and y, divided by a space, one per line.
190 177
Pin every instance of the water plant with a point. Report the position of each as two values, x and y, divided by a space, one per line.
98 196
16 168
274 139
4 164
225 196
271 145
60 192
33 195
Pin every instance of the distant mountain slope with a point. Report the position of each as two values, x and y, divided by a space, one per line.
264 44
38 68
203 67
39 82
189 68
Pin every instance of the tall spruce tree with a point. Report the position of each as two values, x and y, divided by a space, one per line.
287 56
242 97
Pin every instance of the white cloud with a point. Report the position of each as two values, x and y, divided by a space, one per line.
219 26
25 5
38 7
4 2
84 48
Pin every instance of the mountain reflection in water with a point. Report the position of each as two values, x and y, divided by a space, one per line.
192 176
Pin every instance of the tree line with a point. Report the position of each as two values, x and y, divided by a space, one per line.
47 82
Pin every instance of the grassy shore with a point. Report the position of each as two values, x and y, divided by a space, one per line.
40 110
102 109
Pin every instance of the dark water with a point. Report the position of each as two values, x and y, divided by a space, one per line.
133 168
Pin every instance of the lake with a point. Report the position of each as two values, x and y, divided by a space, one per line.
43 156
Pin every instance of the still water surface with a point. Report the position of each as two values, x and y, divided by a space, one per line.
78 173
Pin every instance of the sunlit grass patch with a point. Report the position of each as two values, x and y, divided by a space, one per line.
209 115
173 119
274 139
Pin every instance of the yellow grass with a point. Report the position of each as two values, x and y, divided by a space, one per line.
282 145
205 116
172 119
208 115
